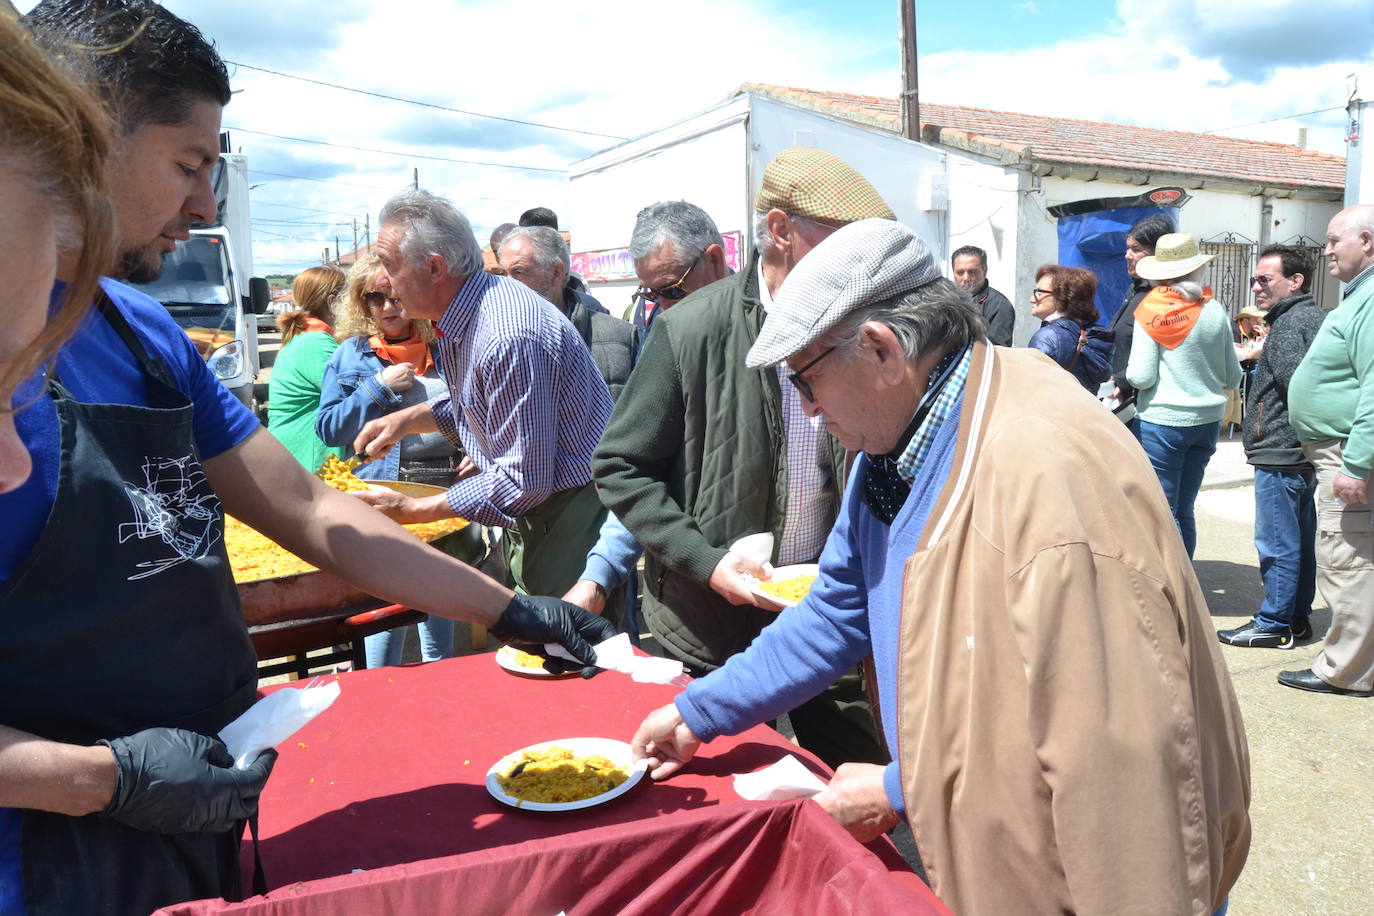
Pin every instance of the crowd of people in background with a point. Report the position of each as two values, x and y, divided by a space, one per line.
1005 581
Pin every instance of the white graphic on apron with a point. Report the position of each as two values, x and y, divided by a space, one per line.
177 506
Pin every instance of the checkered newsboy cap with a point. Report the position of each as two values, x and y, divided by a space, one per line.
801 181
857 265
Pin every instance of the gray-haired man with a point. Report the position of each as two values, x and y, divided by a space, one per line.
526 402
538 257
677 250
1064 733
702 451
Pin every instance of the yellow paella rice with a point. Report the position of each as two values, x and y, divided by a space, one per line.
555 774
523 659
339 475
793 589
254 556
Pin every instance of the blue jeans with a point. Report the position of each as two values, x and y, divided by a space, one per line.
1180 455
386 647
1286 540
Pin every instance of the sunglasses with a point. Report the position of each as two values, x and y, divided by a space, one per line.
801 384
674 291
1260 280
376 299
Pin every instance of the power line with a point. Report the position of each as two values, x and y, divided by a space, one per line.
393 98
273 203
1271 120
389 152
351 184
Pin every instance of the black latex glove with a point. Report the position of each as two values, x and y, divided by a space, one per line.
529 621
177 781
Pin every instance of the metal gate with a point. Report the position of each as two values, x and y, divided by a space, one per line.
1230 271
1313 250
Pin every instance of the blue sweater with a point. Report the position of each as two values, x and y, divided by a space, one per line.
853 609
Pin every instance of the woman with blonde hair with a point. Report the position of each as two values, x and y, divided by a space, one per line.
307 343
386 361
54 138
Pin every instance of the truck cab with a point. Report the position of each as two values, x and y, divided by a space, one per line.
200 290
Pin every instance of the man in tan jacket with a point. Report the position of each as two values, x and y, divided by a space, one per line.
1064 734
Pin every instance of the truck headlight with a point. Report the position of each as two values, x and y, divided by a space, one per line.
226 362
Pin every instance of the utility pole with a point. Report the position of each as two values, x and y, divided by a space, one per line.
416 182
336 250
911 96
355 233
367 230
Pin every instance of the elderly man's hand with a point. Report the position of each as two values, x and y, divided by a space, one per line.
730 580
377 437
857 801
664 739
588 595
1350 490
403 509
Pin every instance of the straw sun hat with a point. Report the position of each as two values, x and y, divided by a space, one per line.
1176 255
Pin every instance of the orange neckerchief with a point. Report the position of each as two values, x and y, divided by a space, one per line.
1167 317
315 324
412 350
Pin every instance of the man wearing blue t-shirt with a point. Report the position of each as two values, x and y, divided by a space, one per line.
125 651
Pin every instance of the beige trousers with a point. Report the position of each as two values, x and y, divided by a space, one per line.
1345 575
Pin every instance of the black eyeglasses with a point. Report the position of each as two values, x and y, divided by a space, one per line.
672 292
1041 294
802 384
376 299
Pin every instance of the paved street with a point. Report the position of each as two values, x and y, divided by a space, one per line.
1311 756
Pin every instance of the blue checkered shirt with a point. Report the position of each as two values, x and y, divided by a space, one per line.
919 447
531 403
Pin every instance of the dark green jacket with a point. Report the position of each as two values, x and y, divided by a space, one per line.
693 458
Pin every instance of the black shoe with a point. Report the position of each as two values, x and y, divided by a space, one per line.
1303 630
1308 680
1252 636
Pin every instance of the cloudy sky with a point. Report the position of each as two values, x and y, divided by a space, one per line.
544 84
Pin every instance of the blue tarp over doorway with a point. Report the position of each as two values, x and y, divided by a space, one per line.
1092 234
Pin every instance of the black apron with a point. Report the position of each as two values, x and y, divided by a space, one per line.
124 616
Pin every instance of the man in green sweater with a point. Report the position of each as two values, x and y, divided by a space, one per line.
701 451
1331 406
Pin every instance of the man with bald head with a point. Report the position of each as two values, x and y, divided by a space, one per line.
1331 407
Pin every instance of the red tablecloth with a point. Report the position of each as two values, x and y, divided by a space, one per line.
394 773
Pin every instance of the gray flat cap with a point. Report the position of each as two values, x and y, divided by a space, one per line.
859 264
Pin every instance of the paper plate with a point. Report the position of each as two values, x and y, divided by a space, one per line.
785 572
505 657
613 750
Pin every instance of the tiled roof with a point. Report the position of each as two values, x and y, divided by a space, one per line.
1015 138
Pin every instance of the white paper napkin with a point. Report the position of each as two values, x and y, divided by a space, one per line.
757 547
616 654
788 778
273 719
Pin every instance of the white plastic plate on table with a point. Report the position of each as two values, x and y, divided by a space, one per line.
785 572
505 657
615 751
